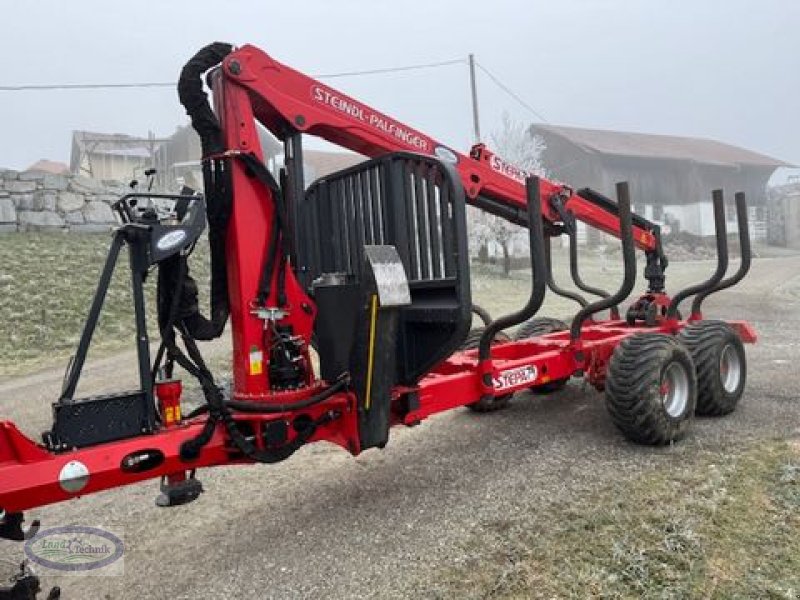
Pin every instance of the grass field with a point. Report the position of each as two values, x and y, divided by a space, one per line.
717 526
46 286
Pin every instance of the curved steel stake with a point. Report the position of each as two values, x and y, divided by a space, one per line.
538 272
551 282
628 261
744 250
707 286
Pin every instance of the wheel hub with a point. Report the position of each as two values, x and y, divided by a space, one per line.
674 389
730 368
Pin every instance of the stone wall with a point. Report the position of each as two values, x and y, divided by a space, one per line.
36 201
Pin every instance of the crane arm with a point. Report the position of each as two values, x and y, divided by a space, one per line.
285 99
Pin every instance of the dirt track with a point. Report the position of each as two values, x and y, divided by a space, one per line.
326 525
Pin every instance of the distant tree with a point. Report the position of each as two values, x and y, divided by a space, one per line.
515 144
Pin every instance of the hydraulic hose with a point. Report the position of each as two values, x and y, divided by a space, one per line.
259 408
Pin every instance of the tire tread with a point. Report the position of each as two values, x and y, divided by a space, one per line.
632 388
704 339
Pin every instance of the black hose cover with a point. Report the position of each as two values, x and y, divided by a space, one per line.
195 100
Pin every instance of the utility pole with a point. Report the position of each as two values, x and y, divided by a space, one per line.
476 124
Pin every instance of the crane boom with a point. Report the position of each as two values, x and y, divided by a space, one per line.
283 97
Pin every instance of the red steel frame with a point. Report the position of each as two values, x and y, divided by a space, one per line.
250 86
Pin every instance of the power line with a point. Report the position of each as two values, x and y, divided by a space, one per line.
443 63
511 93
161 84
83 86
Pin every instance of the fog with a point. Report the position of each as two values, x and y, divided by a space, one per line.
728 70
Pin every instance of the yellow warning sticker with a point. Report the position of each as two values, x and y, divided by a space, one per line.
256 361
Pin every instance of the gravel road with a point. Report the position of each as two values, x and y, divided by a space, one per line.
324 524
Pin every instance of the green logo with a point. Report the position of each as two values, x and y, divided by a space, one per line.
74 548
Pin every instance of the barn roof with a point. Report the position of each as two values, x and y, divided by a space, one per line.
652 146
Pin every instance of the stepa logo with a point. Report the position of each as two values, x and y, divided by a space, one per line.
514 377
76 549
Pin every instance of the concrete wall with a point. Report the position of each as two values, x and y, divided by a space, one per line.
35 201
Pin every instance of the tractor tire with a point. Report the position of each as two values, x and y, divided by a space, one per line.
485 405
534 328
651 388
474 338
720 365
539 326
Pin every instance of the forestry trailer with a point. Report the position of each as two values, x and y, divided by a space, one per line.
368 269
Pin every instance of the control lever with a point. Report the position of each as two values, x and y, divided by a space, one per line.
151 176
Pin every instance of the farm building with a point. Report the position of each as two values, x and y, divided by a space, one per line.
670 177
111 156
178 158
122 157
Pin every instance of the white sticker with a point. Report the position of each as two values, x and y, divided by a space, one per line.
171 239
446 154
514 377
506 168
73 476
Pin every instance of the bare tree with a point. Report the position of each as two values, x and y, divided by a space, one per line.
515 144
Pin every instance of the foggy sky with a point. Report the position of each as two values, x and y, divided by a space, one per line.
727 70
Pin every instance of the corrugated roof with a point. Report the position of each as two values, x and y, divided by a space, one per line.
646 145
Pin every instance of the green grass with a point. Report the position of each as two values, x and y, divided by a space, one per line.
47 282
717 526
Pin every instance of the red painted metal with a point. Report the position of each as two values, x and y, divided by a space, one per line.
248 231
250 87
30 476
